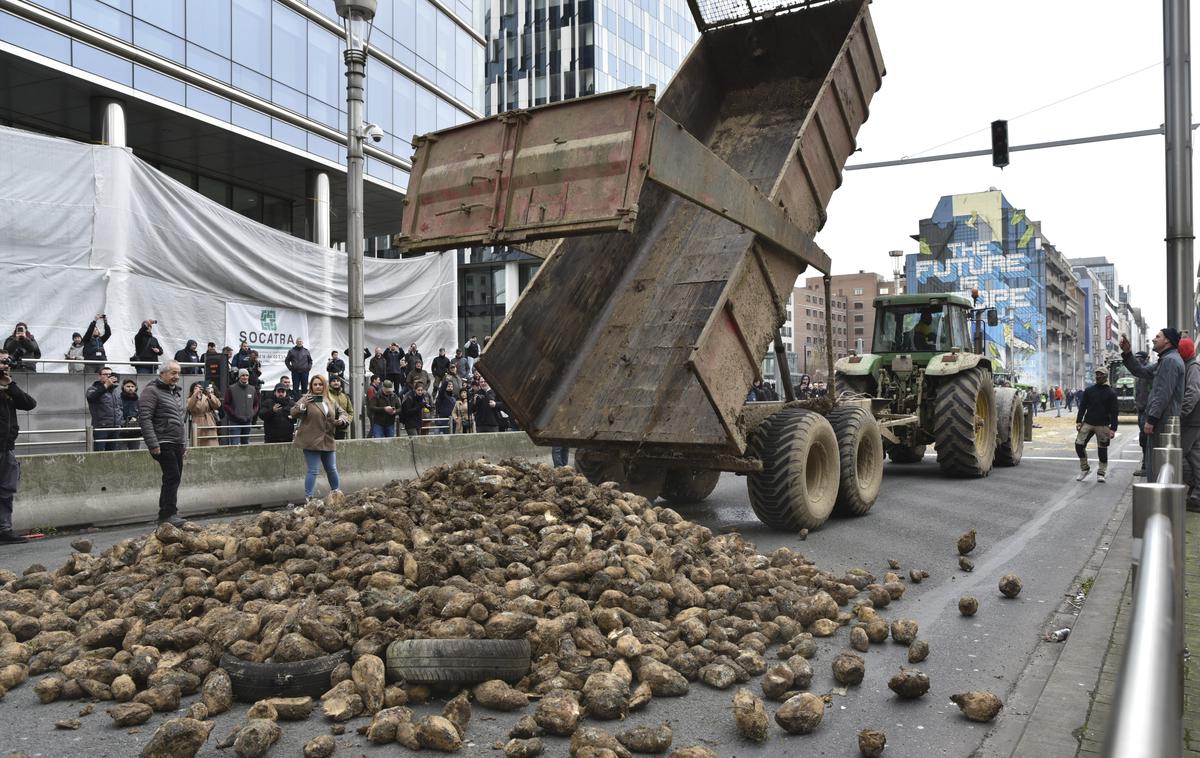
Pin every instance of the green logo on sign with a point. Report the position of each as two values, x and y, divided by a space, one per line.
267 318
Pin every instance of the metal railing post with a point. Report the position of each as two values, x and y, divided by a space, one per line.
89 437
1166 455
1145 720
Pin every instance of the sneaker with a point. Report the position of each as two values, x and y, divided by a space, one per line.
1083 474
7 537
174 520
1100 477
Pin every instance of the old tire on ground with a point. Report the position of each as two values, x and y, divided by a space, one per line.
858 385
255 681
903 454
964 425
860 454
457 661
1010 417
684 486
798 485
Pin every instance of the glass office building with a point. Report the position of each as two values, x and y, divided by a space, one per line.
545 51
244 100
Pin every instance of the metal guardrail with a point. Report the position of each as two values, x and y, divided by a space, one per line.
1146 720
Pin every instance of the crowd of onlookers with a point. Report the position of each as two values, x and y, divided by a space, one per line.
227 397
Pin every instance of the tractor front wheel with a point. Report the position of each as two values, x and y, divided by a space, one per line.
964 427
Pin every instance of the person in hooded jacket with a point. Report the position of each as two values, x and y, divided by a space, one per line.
276 415
443 402
189 355
104 402
146 348
93 340
412 409
1189 422
132 434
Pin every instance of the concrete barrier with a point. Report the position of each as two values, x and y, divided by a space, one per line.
103 489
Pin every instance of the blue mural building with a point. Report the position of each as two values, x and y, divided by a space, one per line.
980 240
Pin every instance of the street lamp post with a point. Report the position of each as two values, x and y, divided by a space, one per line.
358 18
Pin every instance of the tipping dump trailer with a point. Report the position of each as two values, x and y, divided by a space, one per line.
638 347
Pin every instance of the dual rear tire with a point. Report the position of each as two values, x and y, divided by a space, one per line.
815 466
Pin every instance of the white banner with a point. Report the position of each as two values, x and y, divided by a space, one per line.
271 331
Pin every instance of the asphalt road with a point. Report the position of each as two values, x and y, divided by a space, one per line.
1034 521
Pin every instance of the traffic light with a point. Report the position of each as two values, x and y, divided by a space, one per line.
1000 143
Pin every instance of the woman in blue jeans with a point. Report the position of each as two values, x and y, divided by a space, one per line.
319 421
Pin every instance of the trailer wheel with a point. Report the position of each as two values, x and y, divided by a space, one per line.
685 486
639 478
597 467
903 454
860 448
1010 415
799 482
964 426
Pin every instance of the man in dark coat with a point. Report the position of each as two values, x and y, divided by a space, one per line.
299 361
440 364
335 366
22 348
146 348
240 406
161 413
278 424
189 355
1097 416
487 415
104 403
12 399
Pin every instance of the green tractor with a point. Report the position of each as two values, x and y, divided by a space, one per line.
930 383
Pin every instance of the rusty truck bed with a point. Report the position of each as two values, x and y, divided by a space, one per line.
650 340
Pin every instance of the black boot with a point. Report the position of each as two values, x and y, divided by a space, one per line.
8 538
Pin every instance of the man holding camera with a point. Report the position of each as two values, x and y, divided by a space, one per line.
161 412
12 399
104 402
21 345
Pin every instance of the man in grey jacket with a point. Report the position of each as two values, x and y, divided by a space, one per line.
1189 427
1166 391
161 413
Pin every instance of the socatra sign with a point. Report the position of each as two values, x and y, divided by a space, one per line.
265 329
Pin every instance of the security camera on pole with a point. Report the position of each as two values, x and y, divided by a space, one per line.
357 20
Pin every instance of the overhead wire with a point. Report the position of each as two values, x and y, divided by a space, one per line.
1041 107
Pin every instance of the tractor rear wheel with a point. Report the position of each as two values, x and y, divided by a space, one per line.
860 449
964 427
856 385
903 454
684 486
1010 415
798 485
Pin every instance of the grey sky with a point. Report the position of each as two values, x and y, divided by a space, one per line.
953 66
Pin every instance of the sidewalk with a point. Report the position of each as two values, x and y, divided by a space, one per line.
1092 738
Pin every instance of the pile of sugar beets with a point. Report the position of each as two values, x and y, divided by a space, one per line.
620 602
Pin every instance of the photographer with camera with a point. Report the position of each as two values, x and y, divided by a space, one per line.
189 355
93 340
12 399
108 416
276 415
487 414
413 407
20 346
145 347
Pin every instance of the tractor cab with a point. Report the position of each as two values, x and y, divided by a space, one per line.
921 324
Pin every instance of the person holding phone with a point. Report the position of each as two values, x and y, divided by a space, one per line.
146 348
203 404
94 337
320 418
